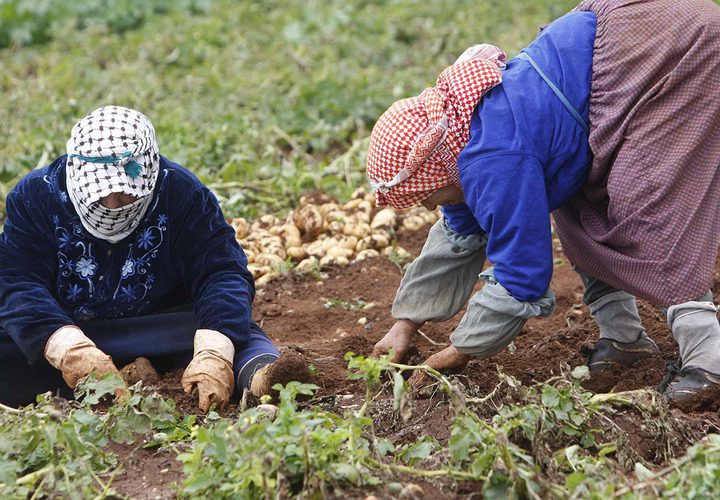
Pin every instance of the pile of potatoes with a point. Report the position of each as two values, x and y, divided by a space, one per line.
322 233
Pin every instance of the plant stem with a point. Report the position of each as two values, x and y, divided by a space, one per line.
32 476
8 409
425 473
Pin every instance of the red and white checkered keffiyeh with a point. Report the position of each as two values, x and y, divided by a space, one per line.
415 144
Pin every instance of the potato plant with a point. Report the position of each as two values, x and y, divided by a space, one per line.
542 444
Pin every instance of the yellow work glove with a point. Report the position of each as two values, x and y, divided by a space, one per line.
210 371
76 356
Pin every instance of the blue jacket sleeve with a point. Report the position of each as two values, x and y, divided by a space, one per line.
29 312
214 269
507 195
461 219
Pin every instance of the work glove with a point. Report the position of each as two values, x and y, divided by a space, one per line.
76 356
211 370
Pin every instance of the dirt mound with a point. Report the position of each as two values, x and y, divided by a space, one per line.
644 373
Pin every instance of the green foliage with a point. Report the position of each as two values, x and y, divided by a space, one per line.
56 449
45 452
262 100
59 450
357 306
24 22
301 450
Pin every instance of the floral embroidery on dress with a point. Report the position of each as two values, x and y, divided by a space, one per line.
128 269
73 293
85 267
70 264
137 266
145 240
79 277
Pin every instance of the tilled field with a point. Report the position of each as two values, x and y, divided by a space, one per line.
345 306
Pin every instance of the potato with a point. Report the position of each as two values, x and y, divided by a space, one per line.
296 253
359 193
413 223
363 244
352 204
250 255
379 241
366 254
273 247
334 261
315 249
338 251
257 270
365 206
336 227
348 242
292 235
266 259
326 208
241 227
384 218
308 220
356 229
338 215
307 265
329 243
363 217
429 217
268 220
263 280
399 251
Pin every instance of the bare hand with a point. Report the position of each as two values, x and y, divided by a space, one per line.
397 340
447 359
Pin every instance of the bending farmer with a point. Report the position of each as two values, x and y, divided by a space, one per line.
608 120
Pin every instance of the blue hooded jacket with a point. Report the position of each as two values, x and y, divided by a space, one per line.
527 155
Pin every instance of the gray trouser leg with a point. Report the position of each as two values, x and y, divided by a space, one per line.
494 318
615 312
440 281
696 329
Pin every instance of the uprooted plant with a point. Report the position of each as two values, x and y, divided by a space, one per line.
544 441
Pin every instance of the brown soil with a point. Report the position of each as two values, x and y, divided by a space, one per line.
140 369
298 311
291 366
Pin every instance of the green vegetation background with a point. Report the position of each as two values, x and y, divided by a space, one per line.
262 100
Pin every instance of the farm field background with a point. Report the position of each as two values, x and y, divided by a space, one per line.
265 101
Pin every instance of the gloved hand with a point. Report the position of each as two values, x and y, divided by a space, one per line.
76 356
210 370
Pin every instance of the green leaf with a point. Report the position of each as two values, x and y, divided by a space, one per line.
550 396
348 472
384 446
581 372
418 451
572 481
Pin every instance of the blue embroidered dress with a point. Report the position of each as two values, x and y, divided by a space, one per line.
54 273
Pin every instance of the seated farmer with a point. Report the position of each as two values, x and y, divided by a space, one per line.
635 195
113 252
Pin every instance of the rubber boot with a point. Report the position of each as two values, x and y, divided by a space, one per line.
697 331
623 340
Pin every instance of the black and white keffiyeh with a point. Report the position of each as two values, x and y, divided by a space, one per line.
112 150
